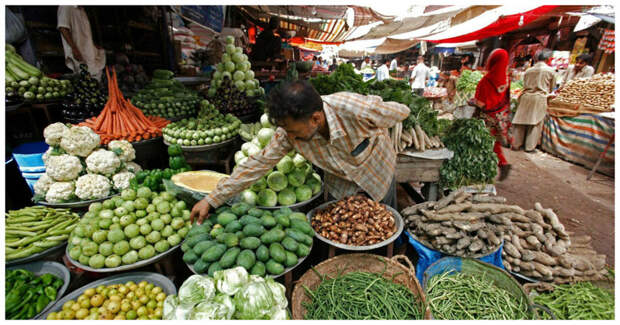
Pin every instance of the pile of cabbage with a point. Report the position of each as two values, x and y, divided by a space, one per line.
236 68
78 169
293 180
230 294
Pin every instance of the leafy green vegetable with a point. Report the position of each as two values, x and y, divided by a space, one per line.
468 81
343 78
474 161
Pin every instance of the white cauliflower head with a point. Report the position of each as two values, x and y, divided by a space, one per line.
123 149
59 192
121 180
53 133
103 162
63 168
92 186
132 167
43 184
47 154
79 141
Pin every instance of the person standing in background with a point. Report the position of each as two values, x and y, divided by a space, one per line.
366 63
382 72
268 44
394 64
493 102
538 84
77 41
419 75
581 69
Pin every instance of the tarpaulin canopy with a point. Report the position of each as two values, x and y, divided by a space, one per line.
390 46
491 23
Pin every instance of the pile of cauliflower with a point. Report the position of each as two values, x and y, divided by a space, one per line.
77 169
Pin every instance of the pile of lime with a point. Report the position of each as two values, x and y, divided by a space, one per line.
126 229
118 301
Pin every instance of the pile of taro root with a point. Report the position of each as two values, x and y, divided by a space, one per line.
535 243
356 221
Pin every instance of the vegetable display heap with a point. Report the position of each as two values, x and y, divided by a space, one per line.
468 81
127 229
259 241
293 180
34 229
26 81
361 295
87 99
229 294
355 220
210 127
463 296
234 83
166 97
120 120
27 294
581 300
596 93
124 301
153 178
77 169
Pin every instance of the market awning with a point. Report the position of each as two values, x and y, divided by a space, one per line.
491 23
390 46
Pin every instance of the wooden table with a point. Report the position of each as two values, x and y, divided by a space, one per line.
416 169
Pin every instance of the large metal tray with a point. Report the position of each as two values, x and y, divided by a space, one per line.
295 206
206 147
154 278
288 269
80 204
43 267
136 265
38 256
398 221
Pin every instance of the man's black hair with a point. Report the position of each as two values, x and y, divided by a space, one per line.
296 99
544 55
587 58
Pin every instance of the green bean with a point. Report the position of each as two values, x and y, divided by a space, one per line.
460 296
579 301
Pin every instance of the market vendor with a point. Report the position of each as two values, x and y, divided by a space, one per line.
268 43
345 134
419 76
538 84
581 69
77 41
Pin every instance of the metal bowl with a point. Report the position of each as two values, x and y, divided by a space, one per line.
295 206
157 279
43 267
136 265
38 256
206 147
79 204
398 221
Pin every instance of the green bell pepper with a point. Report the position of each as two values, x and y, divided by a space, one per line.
50 293
176 162
42 302
175 150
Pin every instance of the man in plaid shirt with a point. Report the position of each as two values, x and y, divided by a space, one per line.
345 134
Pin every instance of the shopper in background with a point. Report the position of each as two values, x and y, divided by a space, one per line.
493 102
77 41
268 45
382 72
467 61
366 63
394 64
345 134
581 69
419 75
538 84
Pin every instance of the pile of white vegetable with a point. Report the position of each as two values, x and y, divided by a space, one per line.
292 181
230 294
77 169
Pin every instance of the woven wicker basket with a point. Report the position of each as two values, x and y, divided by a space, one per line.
353 263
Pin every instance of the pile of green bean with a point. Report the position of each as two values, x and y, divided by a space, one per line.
34 229
579 301
361 296
461 296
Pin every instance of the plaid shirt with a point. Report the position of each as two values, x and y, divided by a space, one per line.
352 119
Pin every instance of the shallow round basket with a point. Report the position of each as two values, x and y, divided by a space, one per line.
136 265
43 267
206 147
398 222
157 279
359 262
39 255
80 204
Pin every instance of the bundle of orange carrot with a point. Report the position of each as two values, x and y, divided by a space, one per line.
121 120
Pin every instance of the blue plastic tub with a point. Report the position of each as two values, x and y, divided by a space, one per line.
29 156
428 256
32 178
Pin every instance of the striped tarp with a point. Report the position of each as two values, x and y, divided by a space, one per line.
580 139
